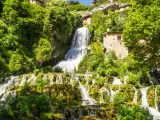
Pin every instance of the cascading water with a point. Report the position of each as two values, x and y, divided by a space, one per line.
24 78
116 81
155 98
59 79
113 93
31 80
125 79
144 97
51 80
101 98
4 87
154 112
85 97
135 95
103 90
77 50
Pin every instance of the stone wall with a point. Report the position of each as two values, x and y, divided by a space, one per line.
112 41
87 21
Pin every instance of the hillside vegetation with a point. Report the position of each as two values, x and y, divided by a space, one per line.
34 38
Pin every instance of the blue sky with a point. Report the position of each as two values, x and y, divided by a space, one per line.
86 2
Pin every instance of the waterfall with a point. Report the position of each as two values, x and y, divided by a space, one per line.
154 112
116 81
135 95
113 93
85 97
51 80
4 87
101 98
144 97
32 80
103 90
155 98
77 50
125 79
59 79
24 78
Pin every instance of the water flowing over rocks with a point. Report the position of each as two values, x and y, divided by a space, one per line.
85 86
153 111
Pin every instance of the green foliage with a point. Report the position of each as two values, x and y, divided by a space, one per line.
17 63
119 98
21 29
43 103
98 26
92 60
43 51
127 92
79 7
40 83
31 34
115 21
134 79
59 25
57 69
133 112
141 33
99 81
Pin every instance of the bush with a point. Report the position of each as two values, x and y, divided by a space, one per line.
57 69
134 79
46 69
119 99
126 112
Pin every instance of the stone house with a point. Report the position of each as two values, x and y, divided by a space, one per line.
87 19
39 2
113 41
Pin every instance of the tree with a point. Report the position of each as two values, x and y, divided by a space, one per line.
98 25
20 29
59 25
43 51
142 32
115 22
16 63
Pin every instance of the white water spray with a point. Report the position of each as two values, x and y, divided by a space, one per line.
155 98
84 95
3 87
116 81
113 93
77 50
154 112
135 95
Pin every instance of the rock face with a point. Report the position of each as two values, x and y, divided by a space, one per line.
112 6
112 41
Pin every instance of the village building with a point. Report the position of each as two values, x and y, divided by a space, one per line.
39 2
113 41
86 19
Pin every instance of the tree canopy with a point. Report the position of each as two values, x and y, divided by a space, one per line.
32 34
141 33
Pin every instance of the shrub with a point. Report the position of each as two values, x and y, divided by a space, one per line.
57 69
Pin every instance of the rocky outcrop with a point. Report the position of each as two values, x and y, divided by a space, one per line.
112 6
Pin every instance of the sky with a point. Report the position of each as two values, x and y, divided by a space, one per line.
86 2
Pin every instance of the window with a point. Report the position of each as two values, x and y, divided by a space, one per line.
119 38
